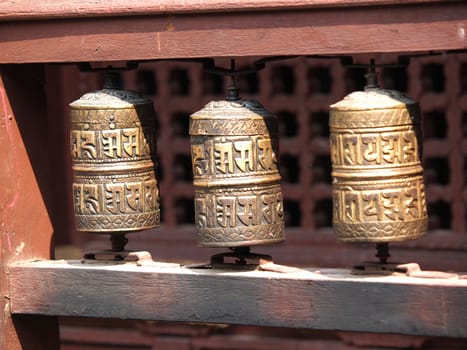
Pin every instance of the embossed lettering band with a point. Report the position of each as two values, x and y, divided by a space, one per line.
378 190
112 148
238 199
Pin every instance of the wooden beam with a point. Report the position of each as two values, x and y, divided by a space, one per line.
46 9
310 31
328 299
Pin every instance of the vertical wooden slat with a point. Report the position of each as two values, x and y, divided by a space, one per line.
25 201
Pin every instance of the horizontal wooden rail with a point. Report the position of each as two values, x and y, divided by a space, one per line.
46 9
424 26
330 299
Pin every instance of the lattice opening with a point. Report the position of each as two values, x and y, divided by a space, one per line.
213 84
159 168
289 168
394 78
439 215
146 82
434 124
180 122
432 78
354 79
283 80
436 170
184 211
322 213
292 213
157 123
319 124
248 84
288 125
321 169
464 123
319 80
182 169
463 78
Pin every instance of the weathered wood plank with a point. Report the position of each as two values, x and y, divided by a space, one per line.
329 299
408 28
11 9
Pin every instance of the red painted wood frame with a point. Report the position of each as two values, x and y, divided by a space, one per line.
80 31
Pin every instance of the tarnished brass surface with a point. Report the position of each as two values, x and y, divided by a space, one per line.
378 189
238 198
112 147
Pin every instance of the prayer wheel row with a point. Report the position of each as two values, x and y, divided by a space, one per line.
377 189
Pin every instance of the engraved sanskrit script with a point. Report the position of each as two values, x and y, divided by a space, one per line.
237 210
110 144
377 148
405 202
226 156
115 197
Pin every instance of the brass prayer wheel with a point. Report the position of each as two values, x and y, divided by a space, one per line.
378 190
112 146
238 198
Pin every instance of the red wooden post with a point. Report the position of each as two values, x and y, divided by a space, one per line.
25 201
